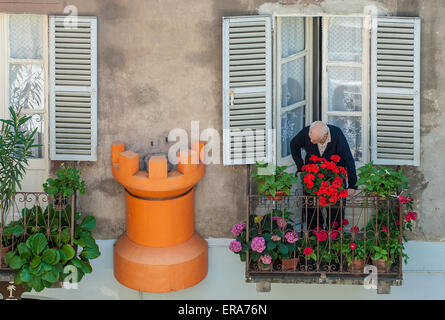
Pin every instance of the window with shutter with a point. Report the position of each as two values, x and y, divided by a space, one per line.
395 107
247 90
73 90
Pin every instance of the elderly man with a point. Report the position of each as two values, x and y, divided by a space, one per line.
324 141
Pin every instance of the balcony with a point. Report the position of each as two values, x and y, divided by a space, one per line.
362 247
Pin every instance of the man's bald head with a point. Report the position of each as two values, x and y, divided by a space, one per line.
318 132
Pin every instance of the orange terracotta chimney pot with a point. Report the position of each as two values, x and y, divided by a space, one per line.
160 251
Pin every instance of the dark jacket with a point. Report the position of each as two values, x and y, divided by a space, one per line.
338 145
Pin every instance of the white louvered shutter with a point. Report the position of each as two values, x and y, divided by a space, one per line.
247 89
73 90
395 97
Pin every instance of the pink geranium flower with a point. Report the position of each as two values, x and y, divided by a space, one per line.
238 228
258 244
235 246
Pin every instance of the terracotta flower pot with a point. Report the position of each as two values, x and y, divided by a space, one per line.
357 266
3 252
278 195
288 264
381 265
266 268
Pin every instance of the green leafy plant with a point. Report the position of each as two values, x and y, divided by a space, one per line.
46 223
90 249
354 250
37 265
67 182
16 144
380 180
272 179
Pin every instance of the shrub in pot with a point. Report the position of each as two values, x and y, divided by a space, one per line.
66 183
69 256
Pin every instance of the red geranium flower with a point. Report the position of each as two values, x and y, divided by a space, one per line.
335 158
397 222
353 246
345 222
355 229
323 201
385 229
307 251
322 236
334 235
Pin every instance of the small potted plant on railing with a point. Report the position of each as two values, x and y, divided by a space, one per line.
354 252
67 182
381 181
324 179
272 180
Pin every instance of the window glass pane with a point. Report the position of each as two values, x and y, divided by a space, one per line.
291 123
344 89
26 88
345 39
352 129
292 39
292 82
36 122
25 36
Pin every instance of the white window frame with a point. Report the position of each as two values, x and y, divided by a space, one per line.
366 74
307 102
5 60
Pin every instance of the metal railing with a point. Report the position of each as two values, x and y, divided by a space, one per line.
312 240
33 212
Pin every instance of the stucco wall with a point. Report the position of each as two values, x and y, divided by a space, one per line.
160 67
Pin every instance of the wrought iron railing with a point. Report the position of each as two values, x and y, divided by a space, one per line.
32 212
297 242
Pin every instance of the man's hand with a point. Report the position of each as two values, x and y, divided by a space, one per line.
351 192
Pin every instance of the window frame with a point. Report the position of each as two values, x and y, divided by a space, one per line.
366 75
5 61
278 61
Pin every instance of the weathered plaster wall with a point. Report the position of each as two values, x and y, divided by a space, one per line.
428 179
160 67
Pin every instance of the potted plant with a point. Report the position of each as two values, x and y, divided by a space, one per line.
355 255
381 181
273 180
67 182
16 148
324 179
267 242
41 259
